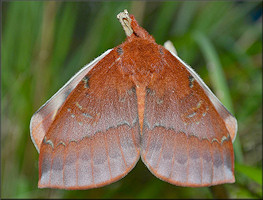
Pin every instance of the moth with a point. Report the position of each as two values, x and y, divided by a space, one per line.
137 100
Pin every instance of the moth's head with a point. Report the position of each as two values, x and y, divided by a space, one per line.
132 28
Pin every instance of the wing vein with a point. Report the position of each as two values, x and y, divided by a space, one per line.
119 143
51 165
171 173
107 152
148 144
222 156
159 159
91 162
201 160
77 163
187 168
63 166
211 151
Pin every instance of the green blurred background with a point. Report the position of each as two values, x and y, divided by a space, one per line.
44 43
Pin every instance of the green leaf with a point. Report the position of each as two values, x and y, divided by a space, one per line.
251 172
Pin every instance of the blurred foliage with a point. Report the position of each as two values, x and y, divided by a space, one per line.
44 43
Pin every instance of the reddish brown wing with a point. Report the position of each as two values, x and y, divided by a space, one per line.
185 141
44 117
94 138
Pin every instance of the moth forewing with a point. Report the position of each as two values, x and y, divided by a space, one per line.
44 116
229 119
